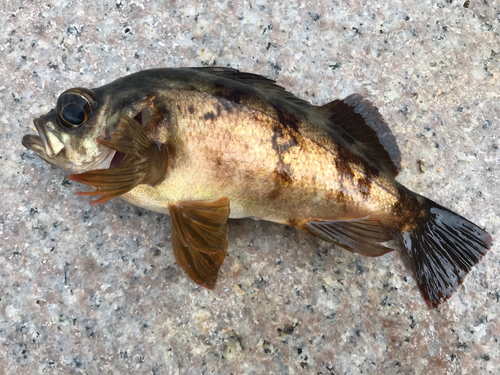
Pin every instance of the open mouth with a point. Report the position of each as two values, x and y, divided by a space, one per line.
34 143
37 143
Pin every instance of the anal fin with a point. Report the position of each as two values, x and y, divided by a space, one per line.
199 238
360 235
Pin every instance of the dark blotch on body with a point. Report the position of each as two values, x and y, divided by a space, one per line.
278 133
282 140
342 163
209 116
227 105
364 186
282 180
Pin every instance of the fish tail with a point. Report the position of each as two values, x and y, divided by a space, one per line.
444 247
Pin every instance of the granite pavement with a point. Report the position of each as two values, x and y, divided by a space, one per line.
96 290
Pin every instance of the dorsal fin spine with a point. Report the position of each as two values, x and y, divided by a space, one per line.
361 120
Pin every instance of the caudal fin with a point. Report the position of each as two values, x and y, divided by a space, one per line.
443 247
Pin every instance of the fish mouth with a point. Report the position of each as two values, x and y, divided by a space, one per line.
40 145
34 143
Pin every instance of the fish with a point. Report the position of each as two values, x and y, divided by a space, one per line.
207 144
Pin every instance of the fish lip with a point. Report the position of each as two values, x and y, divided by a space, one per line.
43 128
37 143
41 132
32 141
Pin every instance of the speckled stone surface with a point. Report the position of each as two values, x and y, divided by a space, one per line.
95 289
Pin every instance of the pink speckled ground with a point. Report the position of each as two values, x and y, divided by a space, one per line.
95 290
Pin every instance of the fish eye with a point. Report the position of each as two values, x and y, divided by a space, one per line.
75 107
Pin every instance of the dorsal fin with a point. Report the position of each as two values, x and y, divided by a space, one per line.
265 84
360 119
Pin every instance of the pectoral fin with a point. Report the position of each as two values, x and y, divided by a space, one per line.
199 238
143 162
360 235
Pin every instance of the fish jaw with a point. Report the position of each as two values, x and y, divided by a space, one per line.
35 143
47 144
50 145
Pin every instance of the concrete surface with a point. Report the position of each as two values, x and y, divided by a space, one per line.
95 289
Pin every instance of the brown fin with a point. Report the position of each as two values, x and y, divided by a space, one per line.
361 120
362 235
111 183
145 163
201 225
256 81
130 139
199 236
444 247
202 268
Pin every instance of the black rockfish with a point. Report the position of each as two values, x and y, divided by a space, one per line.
208 144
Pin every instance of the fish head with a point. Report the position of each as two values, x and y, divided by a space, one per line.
68 135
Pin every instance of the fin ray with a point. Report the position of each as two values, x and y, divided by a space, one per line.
443 247
199 238
360 235
361 120
202 268
145 162
201 225
107 184
266 85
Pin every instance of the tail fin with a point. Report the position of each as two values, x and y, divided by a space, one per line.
443 247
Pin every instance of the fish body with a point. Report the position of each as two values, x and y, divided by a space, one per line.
208 144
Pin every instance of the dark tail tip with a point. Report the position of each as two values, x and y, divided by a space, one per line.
444 247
